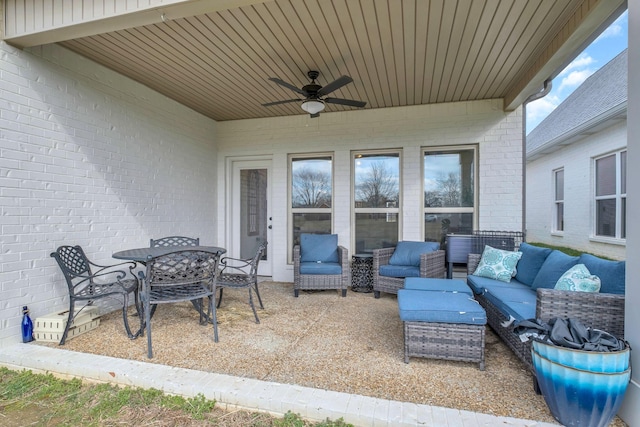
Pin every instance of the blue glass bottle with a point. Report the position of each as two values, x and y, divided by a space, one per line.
27 326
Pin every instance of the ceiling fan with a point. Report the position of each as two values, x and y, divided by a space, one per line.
315 96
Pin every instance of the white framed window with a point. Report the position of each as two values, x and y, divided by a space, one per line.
310 196
558 200
376 200
450 191
611 195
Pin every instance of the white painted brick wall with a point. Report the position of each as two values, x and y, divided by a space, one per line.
576 159
89 157
498 134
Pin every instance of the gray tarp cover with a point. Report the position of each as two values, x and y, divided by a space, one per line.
570 333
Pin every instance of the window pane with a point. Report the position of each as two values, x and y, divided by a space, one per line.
311 183
560 185
374 231
606 217
623 172
559 216
448 179
437 226
623 219
606 176
310 223
377 179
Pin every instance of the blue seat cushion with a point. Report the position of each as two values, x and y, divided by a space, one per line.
399 271
517 302
320 268
478 284
437 285
439 307
319 247
408 253
556 264
530 263
611 273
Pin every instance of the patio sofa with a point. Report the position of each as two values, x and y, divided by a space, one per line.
531 294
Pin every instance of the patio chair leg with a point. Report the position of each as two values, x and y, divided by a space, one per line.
214 320
344 293
255 314
125 318
219 299
69 320
376 294
296 292
258 294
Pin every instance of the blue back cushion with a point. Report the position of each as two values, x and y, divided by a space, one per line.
319 247
408 253
611 273
556 264
532 259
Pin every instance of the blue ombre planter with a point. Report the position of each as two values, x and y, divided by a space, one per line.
578 397
594 361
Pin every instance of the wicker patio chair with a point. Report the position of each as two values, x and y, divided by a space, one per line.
431 264
238 273
320 263
174 241
184 275
88 282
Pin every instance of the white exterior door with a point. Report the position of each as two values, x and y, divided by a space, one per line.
250 216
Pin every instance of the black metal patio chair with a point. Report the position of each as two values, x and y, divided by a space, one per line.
241 273
184 275
88 282
174 241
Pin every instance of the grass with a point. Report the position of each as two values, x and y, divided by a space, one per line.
44 400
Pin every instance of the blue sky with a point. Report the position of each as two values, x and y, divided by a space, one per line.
610 43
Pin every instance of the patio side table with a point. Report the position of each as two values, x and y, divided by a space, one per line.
362 273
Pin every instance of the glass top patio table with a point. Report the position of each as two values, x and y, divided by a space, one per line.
146 254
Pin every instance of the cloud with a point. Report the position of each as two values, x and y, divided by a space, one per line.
539 109
584 60
614 30
574 79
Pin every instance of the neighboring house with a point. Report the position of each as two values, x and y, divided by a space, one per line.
577 165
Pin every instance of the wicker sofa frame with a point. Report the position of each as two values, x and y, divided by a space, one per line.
322 281
431 265
597 310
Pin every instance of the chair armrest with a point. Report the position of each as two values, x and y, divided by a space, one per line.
596 310
381 257
343 258
472 262
432 264
296 257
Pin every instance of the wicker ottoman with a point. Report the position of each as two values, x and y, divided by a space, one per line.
442 325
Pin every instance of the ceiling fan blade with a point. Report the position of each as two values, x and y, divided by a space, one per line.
349 102
287 85
334 85
269 104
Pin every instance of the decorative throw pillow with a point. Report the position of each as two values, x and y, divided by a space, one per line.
578 278
497 264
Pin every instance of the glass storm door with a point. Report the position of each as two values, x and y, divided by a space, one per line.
251 213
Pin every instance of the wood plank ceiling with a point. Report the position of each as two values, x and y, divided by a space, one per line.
398 52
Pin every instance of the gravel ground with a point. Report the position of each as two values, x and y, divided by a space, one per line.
352 345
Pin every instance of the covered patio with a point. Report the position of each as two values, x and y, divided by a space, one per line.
123 122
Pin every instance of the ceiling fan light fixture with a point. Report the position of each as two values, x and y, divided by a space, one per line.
313 106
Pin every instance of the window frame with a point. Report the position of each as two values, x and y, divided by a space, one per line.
476 185
386 210
619 197
555 228
291 211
